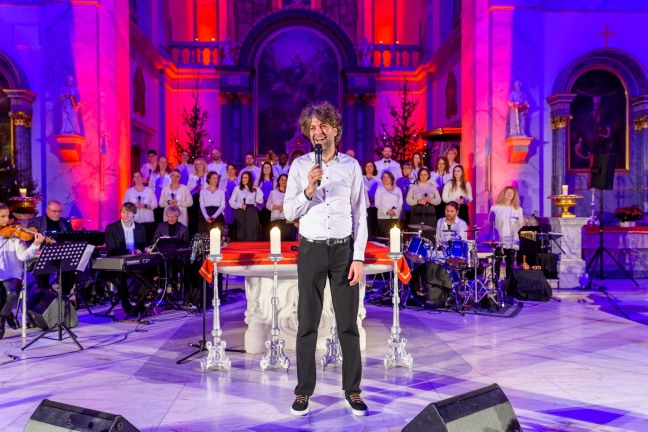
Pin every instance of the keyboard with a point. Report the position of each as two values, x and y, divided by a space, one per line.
137 263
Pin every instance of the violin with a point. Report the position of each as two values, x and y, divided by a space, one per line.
24 234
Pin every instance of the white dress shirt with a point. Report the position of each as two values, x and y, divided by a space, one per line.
391 166
450 194
242 196
12 253
194 181
389 200
459 226
219 168
276 198
146 197
439 179
157 183
185 172
129 235
337 208
255 170
371 186
506 222
212 199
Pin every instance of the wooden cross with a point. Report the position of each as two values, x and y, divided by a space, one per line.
606 34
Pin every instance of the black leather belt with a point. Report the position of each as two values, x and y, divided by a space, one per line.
328 242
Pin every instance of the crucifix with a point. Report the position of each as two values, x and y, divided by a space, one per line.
606 35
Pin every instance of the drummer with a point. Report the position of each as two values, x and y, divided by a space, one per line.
451 227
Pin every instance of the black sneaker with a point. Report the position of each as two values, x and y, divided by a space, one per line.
357 405
300 406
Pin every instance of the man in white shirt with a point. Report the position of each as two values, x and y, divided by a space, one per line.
250 167
283 167
387 164
329 201
451 227
217 165
149 166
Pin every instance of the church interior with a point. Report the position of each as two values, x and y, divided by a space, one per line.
546 98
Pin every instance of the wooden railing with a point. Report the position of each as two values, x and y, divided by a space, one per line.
196 54
395 57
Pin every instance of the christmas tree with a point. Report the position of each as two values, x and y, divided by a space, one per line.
194 123
403 138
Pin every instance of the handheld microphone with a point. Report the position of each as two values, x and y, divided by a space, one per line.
193 250
318 160
139 198
425 195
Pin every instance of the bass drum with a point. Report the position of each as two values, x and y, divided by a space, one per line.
434 281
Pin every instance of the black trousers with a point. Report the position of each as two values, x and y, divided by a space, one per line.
509 259
315 264
9 296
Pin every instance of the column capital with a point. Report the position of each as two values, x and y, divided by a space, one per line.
225 98
21 100
21 118
351 99
369 99
560 121
560 103
641 122
245 98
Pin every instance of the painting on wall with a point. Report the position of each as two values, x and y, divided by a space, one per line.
295 67
599 121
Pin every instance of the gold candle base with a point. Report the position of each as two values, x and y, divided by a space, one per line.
565 202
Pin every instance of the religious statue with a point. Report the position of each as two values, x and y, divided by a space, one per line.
70 104
366 50
228 54
519 106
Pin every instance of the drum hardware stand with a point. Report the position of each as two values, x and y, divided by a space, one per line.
275 358
397 356
216 357
333 354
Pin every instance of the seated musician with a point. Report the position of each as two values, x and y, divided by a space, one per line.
52 222
124 237
451 227
173 228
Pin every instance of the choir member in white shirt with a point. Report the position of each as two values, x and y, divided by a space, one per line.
451 155
387 163
371 183
217 165
417 164
440 177
246 216
145 201
423 196
186 168
282 167
176 194
389 202
275 205
212 205
197 182
506 218
451 227
159 180
147 169
459 191
250 167
404 183
333 237
264 185
228 184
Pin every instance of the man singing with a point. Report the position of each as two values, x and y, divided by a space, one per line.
333 235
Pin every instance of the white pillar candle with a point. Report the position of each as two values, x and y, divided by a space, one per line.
394 240
275 241
214 241
565 189
23 192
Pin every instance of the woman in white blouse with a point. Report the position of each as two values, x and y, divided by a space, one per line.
459 191
423 196
371 183
506 218
159 180
389 202
246 216
275 205
264 186
417 164
197 182
144 199
212 205
228 184
176 194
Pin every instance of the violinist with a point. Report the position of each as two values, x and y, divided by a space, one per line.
12 251
52 222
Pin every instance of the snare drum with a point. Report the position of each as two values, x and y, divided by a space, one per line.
418 249
457 252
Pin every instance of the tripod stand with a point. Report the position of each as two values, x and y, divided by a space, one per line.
61 257
598 255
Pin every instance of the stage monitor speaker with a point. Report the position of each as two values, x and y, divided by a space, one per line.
42 307
485 409
602 171
53 416
528 285
549 264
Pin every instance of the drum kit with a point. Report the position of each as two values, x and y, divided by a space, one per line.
468 276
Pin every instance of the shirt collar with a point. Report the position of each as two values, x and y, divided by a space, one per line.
127 228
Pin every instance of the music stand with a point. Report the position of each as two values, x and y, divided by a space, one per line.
60 257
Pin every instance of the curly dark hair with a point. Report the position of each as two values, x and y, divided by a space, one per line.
324 112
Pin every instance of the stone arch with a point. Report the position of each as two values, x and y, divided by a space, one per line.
12 74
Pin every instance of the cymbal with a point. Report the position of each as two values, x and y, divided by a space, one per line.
421 227
491 243
473 229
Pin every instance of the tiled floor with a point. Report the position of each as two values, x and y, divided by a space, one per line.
579 364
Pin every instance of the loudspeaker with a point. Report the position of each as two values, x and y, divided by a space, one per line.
42 307
485 409
53 416
549 264
529 285
602 171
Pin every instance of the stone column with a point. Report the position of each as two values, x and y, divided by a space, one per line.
349 139
571 266
560 116
227 146
21 121
247 118
369 126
